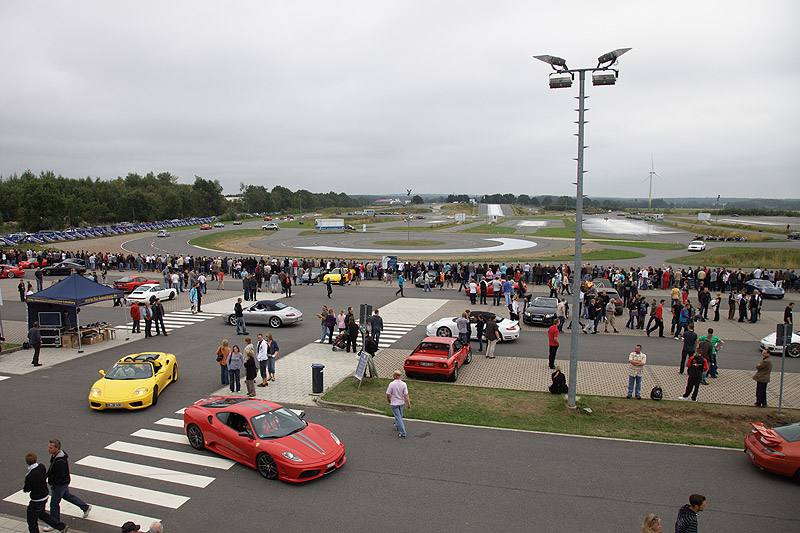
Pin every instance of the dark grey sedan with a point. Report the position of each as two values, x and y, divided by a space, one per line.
765 286
541 312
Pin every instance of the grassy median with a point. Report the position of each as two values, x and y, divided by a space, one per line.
749 257
664 421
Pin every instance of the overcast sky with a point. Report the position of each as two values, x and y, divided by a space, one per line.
378 96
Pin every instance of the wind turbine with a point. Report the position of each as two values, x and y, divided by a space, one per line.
650 177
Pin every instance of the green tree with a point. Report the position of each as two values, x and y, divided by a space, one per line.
417 199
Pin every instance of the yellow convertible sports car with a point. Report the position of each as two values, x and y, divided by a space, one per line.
339 275
134 382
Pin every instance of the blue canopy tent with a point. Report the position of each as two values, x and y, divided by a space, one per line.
67 296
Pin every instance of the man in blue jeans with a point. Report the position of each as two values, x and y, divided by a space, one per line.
397 395
58 479
637 361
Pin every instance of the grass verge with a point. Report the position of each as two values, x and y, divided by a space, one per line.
214 240
567 232
665 421
640 244
743 257
710 230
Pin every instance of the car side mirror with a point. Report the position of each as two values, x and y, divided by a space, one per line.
245 434
103 372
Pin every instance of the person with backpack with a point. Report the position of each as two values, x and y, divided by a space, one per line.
695 367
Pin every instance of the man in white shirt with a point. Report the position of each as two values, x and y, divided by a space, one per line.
397 395
261 356
637 361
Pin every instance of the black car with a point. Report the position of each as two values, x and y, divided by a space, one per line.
793 235
541 311
64 268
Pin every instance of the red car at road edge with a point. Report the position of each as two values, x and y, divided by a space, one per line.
267 436
438 356
129 283
776 449
8 271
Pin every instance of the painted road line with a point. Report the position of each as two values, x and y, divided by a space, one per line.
171 422
151 472
172 455
177 438
4 377
127 492
101 515
180 411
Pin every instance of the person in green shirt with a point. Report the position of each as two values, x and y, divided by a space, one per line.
716 344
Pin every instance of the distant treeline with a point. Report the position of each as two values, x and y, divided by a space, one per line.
50 201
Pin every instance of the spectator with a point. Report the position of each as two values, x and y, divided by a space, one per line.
637 361
235 364
223 352
762 375
687 515
695 367
397 395
652 524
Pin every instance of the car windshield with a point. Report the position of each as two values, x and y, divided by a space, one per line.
276 424
790 433
126 279
697 242
764 283
544 302
144 288
437 348
280 305
130 371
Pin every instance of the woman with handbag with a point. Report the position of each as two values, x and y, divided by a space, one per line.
222 358
235 364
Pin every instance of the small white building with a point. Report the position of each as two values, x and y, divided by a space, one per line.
703 217
329 225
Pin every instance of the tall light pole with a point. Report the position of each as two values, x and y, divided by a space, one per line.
563 76
408 216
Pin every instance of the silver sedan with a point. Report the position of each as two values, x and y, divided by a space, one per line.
269 312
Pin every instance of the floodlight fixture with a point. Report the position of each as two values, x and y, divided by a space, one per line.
604 78
611 57
560 81
553 61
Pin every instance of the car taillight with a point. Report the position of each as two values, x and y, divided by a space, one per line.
289 315
774 453
512 328
442 365
409 362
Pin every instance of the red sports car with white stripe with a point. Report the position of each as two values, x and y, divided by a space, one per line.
267 436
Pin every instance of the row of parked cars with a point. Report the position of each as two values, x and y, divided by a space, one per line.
52 236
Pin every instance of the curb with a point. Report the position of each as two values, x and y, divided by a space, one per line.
349 407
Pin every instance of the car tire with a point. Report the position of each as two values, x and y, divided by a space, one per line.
443 331
275 322
10 275
468 359
195 436
175 373
794 350
155 396
266 466
454 376
172 295
232 320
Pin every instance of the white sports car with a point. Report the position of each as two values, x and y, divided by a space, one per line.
149 290
696 246
446 327
770 344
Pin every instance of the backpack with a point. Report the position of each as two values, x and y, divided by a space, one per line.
656 393
696 364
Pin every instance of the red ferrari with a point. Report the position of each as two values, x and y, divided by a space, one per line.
128 283
205 226
263 435
8 271
776 449
438 356
32 263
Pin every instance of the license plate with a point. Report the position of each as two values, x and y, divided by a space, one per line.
113 405
425 364
331 465
750 454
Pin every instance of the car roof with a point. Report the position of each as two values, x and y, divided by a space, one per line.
245 406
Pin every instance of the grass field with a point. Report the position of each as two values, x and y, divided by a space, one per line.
412 242
641 244
605 254
487 228
213 239
664 421
467 209
567 232
430 227
710 230
743 257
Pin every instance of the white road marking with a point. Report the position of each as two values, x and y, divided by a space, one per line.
127 492
4 377
180 411
101 515
178 438
171 422
151 472
172 455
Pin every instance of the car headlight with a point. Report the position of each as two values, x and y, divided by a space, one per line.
140 391
96 392
292 457
551 315
335 438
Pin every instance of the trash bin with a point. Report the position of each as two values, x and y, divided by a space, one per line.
316 378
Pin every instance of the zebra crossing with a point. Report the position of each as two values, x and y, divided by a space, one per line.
177 319
169 472
391 333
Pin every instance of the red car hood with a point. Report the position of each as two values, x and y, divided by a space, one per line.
766 436
312 444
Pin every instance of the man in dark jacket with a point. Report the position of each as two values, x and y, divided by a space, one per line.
35 484
695 367
158 315
35 338
687 515
58 479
